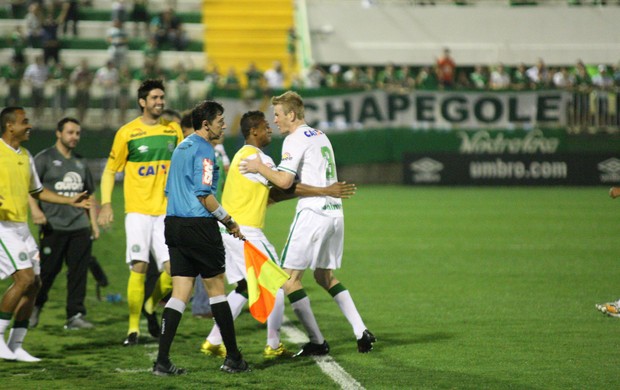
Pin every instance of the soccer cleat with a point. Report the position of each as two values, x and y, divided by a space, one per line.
611 309
34 317
311 349
5 352
153 324
165 369
364 343
78 322
22 356
235 366
271 353
213 349
132 339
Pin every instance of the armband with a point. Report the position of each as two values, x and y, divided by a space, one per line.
219 213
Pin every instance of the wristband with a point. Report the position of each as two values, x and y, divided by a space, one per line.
219 213
227 223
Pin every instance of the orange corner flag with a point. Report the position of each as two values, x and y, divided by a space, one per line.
264 280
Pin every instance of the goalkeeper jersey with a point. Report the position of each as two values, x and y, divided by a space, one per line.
144 153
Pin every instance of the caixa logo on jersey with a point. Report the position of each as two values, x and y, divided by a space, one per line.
426 170
150 170
609 170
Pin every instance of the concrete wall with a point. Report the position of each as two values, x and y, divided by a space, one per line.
345 32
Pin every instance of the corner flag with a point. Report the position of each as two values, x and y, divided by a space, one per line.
264 280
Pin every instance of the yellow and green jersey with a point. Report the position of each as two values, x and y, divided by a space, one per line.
18 178
144 153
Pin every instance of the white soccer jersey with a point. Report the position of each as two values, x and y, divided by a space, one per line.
308 154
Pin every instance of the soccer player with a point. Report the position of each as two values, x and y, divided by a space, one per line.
64 232
308 154
246 197
611 309
142 148
194 239
19 255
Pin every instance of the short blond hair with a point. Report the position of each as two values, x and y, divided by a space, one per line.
290 101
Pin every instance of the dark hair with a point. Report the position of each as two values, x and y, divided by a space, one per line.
61 123
207 110
186 121
147 86
8 115
250 120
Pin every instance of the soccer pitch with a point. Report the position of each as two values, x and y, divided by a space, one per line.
465 288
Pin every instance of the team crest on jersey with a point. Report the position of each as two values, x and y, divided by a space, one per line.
286 156
207 172
171 146
135 248
23 256
47 250
57 163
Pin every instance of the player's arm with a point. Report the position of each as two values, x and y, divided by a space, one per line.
92 216
106 214
280 179
38 217
210 203
81 200
340 189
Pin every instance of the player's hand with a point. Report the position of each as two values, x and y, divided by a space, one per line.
106 215
250 165
95 233
233 229
81 200
38 218
341 189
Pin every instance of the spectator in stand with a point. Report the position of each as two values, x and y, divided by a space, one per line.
615 74
520 80
69 12
36 75
231 80
59 77
17 9
291 47
150 50
49 40
18 42
34 24
107 77
254 82
124 89
118 43
212 80
369 78
602 79
462 80
334 77
405 78
427 78
583 82
352 77
446 70
315 77
168 29
181 79
274 76
500 79
479 78
538 75
563 79
140 14
387 78
12 75
82 79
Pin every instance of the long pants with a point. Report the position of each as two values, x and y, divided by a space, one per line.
74 247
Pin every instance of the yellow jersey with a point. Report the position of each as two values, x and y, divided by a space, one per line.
144 153
18 178
245 196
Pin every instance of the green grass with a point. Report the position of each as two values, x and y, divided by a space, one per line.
465 288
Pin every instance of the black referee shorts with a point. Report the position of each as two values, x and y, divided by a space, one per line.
195 246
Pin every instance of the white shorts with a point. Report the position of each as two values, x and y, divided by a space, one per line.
235 259
18 249
145 233
314 241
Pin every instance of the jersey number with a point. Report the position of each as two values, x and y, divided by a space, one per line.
330 172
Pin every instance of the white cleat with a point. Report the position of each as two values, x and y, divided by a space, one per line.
22 356
5 352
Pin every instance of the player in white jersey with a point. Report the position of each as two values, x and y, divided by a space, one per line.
316 236
246 197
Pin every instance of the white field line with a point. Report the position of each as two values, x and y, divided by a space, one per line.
327 364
